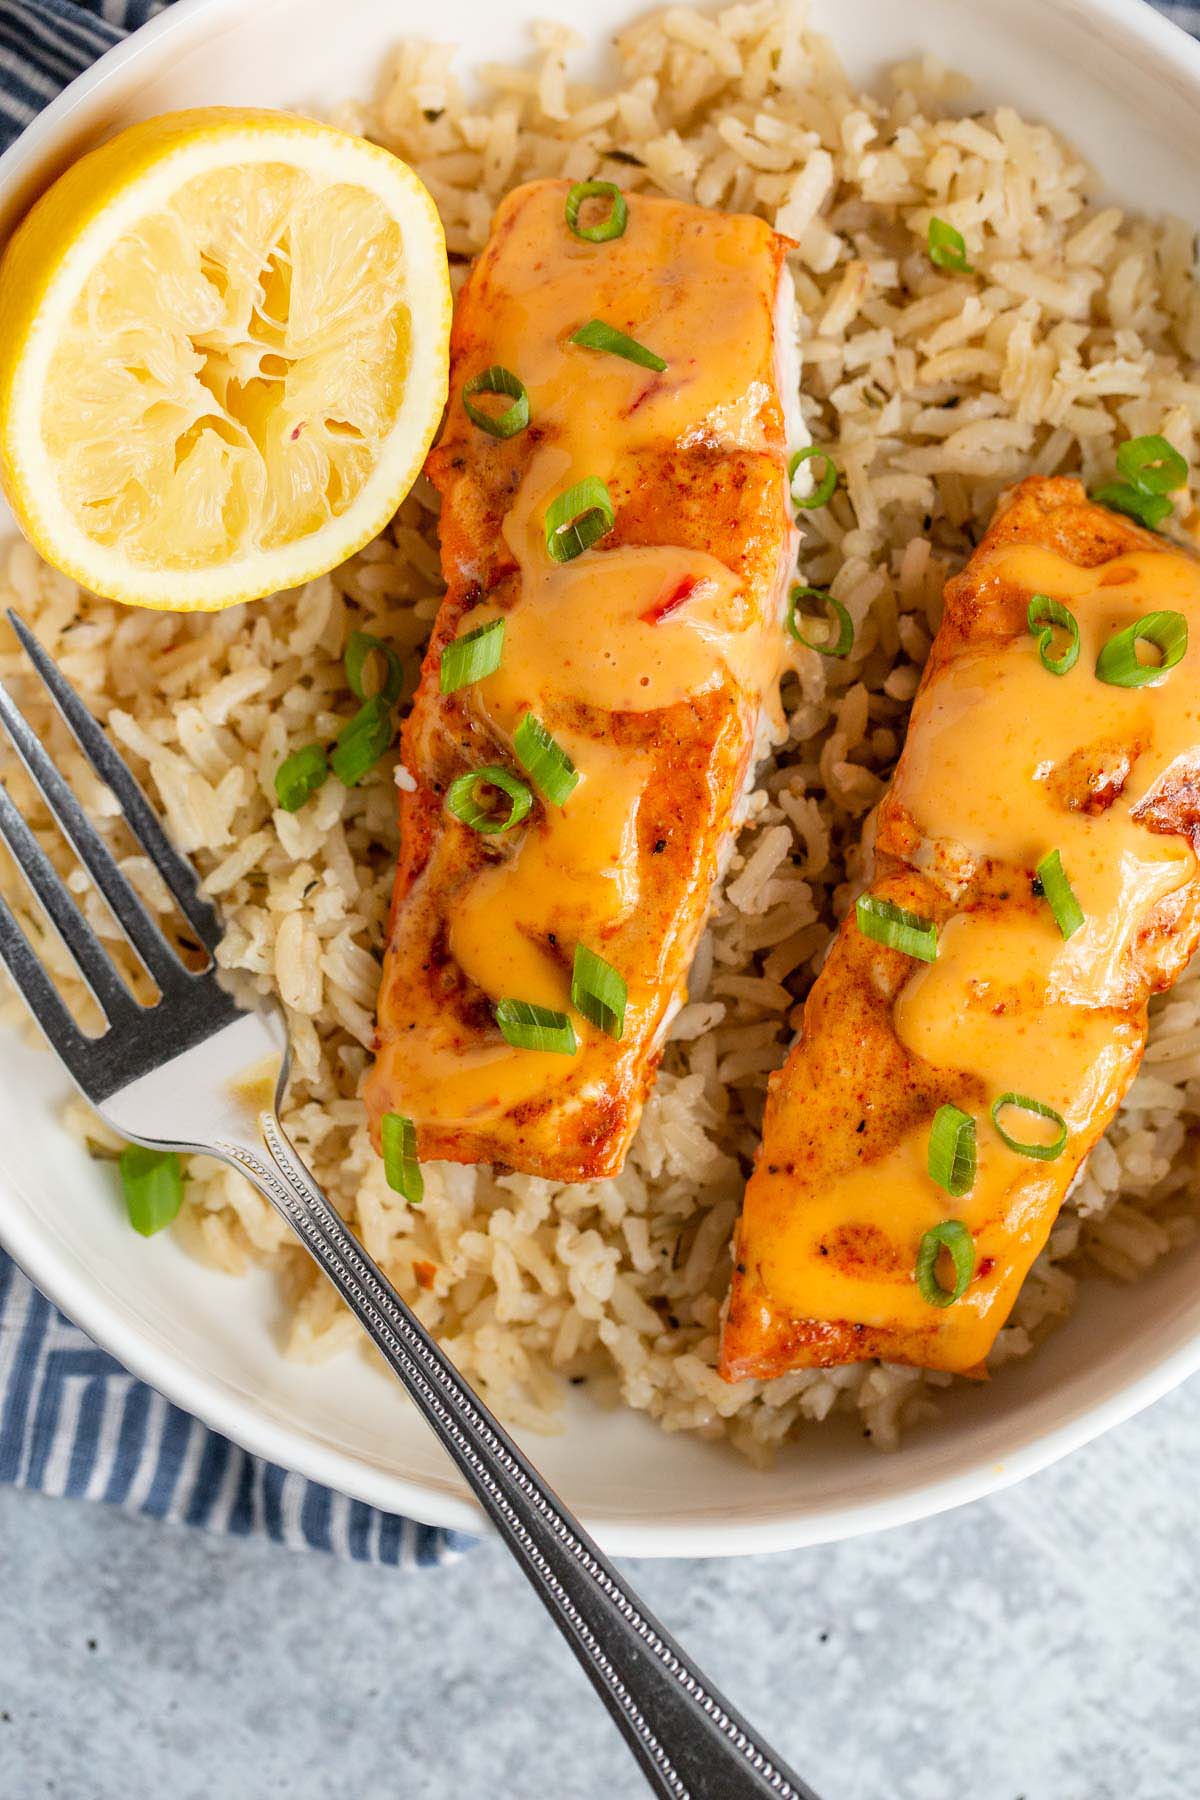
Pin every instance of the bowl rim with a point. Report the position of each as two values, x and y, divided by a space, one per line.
236 1418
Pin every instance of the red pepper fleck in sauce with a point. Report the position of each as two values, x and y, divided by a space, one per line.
671 600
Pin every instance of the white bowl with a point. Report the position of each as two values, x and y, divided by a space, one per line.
1125 87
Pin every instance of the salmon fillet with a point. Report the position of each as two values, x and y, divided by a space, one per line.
1005 762
648 658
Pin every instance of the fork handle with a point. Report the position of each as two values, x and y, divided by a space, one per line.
689 1742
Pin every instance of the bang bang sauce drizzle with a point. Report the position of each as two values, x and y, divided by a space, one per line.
624 630
1004 763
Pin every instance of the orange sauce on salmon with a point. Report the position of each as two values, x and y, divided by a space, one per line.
1009 1005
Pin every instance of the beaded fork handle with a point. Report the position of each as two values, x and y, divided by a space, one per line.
159 1075
690 1743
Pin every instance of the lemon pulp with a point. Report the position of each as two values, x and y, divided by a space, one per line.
223 356
231 369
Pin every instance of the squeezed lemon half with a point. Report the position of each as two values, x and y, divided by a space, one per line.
223 355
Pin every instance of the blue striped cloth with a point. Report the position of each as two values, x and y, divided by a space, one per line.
1183 12
72 1420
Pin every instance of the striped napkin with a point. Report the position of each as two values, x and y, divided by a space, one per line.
72 1420
1183 12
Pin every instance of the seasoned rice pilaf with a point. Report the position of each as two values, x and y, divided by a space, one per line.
934 392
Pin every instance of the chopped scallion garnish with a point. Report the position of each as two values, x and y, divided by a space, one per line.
398 1138
472 657
300 775
844 641
596 335
1022 1103
497 380
528 1027
544 761
951 1235
948 248
578 518
152 1183
1152 464
894 926
612 225
1041 616
598 992
823 493
1060 895
1121 496
362 742
1118 663
470 807
359 646
952 1150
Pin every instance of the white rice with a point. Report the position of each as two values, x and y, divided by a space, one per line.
934 392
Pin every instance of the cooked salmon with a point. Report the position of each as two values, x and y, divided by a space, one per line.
1013 999
645 655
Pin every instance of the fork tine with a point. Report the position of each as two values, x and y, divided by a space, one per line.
42 997
156 954
108 990
140 816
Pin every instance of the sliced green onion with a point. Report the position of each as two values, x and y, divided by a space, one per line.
464 802
599 992
952 1150
299 776
1022 1102
1068 914
472 657
1041 616
497 380
398 1137
1152 464
1120 496
948 248
951 1235
152 1182
1118 663
359 646
362 742
843 643
612 225
823 493
528 1027
896 927
544 761
578 518
596 335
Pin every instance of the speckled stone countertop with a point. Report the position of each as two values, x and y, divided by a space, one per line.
1040 1646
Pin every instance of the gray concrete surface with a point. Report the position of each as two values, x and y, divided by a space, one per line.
1041 1646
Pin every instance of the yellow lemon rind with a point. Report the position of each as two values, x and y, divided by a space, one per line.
64 236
